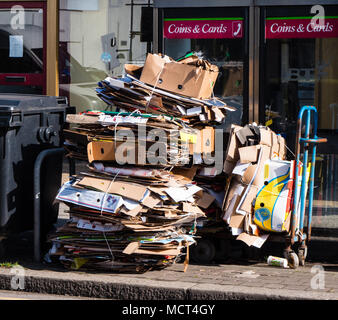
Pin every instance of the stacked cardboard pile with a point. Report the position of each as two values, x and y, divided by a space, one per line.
137 204
166 87
259 189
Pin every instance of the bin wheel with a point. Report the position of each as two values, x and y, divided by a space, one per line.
302 254
203 252
292 260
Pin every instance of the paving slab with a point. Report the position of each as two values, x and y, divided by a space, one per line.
236 283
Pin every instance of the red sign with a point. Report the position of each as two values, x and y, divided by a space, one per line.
302 27
209 28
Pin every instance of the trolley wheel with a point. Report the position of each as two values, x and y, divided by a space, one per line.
292 258
203 252
302 254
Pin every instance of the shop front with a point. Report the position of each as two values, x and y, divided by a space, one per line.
272 60
274 57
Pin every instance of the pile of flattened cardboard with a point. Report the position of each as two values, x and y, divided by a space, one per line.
163 86
258 195
137 206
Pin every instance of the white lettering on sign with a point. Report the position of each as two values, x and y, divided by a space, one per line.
284 28
206 28
310 27
175 29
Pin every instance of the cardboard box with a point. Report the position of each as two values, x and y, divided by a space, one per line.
179 77
202 141
232 153
249 154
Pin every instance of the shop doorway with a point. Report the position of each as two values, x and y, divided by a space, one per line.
299 67
22 47
219 35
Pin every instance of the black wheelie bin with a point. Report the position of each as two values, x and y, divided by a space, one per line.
29 124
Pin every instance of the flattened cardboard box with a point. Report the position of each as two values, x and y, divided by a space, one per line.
180 78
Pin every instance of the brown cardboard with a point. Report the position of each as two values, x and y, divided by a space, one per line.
133 70
232 153
134 212
180 78
101 151
208 140
265 137
247 238
237 221
206 200
151 201
275 146
250 171
251 195
233 198
168 252
125 189
248 154
131 247
189 208
204 141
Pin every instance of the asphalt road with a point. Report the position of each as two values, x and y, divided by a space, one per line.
20 295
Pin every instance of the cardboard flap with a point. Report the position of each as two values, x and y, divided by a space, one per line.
100 150
131 248
237 221
248 154
133 70
151 201
124 189
232 154
251 195
275 145
265 137
206 200
189 208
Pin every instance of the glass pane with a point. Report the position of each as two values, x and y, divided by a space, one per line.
21 50
89 54
217 35
21 45
302 69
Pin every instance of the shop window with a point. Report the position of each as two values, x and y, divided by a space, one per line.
97 38
300 67
217 35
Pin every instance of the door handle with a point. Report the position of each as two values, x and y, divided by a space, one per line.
15 78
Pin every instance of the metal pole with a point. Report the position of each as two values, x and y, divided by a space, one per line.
37 186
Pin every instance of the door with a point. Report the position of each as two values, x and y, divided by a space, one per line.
22 47
219 35
300 67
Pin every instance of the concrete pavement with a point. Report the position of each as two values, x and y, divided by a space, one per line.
234 278
217 282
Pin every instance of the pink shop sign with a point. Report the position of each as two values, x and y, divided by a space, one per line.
302 27
208 28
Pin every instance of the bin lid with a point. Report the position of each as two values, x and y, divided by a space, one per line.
29 102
